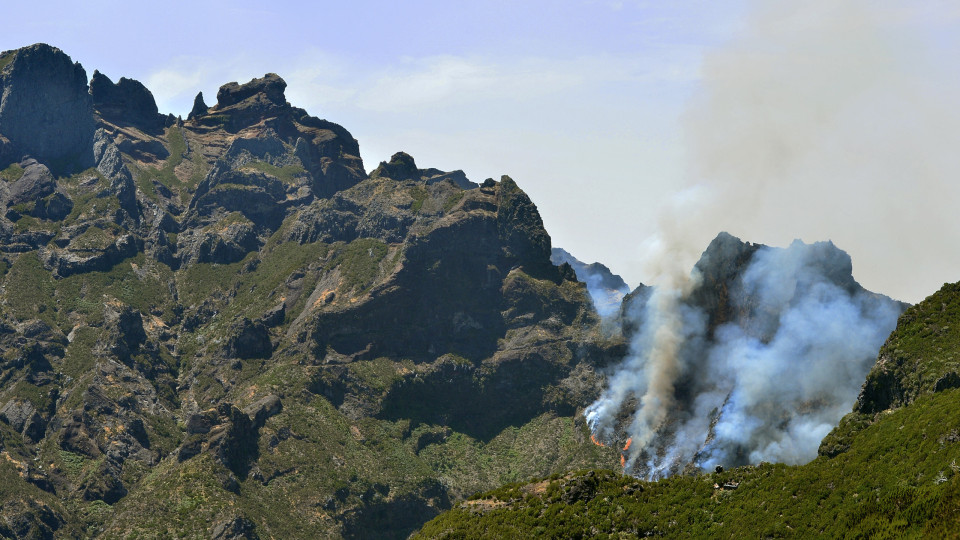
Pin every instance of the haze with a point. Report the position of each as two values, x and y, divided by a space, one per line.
640 129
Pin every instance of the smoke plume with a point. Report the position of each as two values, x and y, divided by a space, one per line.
819 120
764 385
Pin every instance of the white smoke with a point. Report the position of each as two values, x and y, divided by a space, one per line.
765 387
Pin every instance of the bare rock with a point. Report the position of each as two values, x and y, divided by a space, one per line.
45 109
199 107
128 102
22 416
248 339
262 409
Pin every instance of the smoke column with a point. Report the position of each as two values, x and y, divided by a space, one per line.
819 120
767 386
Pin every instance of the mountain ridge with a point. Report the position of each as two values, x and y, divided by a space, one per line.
206 323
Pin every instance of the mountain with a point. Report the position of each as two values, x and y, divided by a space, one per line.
606 288
756 360
888 470
211 325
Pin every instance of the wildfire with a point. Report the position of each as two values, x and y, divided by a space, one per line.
629 442
595 441
623 461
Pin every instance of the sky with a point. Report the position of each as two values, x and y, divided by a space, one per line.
640 129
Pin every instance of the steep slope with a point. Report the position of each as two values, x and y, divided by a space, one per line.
757 361
220 319
606 289
888 473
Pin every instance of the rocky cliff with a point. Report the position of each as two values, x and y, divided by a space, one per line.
208 324
607 290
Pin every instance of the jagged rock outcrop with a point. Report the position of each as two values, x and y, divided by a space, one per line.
249 316
45 109
329 153
606 288
199 107
128 102
402 167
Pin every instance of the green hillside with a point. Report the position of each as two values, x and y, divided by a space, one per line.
885 474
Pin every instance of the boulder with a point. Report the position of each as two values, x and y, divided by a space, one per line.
35 183
262 409
22 416
248 339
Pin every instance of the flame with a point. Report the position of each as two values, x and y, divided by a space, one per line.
629 442
595 441
623 461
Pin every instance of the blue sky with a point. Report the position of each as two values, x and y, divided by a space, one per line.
611 115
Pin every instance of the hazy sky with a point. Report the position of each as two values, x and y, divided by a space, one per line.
629 123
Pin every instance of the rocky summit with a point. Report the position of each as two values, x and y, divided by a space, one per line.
223 327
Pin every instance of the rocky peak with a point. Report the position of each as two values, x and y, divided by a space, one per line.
606 289
126 102
45 109
271 86
400 167
199 107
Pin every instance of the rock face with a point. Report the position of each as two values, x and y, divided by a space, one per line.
328 152
199 107
126 102
45 109
923 337
607 289
402 167
253 322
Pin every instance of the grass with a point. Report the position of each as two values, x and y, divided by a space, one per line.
30 290
897 480
359 263
166 175
288 174
7 58
13 172
419 195
452 201
893 474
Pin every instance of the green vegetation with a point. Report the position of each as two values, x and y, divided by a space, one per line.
288 174
899 479
165 174
893 474
419 194
359 264
214 120
452 201
921 353
30 290
13 172
7 58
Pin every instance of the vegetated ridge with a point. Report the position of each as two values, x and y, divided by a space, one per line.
224 327
889 470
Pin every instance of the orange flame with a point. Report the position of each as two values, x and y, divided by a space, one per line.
629 442
623 461
595 441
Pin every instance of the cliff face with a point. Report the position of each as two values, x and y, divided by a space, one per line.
45 109
226 313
